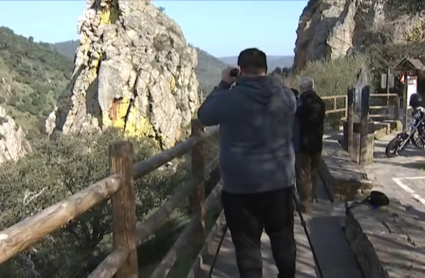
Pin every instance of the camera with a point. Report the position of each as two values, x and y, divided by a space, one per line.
234 72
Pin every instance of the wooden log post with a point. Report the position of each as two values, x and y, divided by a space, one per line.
350 122
396 108
124 207
197 197
366 130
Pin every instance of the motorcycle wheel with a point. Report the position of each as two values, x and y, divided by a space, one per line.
417 141
391 149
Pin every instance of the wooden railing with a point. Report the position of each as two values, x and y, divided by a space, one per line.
391 98
335 100
341 100
122 261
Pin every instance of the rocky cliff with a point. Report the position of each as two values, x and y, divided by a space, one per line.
13 144
133 70
329 29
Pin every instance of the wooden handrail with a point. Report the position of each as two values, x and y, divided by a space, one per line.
122 261
152 224
32 229
335 109
333 97
154 162
169 260
109 267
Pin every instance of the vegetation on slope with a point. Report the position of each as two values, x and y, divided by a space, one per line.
64 166
32 76
208 71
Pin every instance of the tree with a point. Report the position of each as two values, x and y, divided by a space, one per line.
57 169
161 9
31 39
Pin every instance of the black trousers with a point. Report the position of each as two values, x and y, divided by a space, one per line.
247 215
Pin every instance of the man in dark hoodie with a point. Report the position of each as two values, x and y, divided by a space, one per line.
257 161
310 118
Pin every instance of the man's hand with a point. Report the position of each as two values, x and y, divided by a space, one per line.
226 77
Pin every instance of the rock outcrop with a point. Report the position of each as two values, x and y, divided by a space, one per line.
133 70
329 29
13 144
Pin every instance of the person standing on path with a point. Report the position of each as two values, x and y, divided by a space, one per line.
310 118
257 161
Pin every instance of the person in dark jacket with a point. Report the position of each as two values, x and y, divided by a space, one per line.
257 161
310 118
296 93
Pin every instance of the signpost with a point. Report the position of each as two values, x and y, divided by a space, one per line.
387 82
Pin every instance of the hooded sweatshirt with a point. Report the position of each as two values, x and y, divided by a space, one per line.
256 124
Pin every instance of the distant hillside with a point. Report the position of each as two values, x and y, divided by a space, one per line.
32 76
66 49
272 61
208 69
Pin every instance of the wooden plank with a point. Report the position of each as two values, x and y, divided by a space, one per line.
159 217
169 260
305 268
110 265
332 97
383 95
32 229
146 166
197 197
124 208
325 225
202 264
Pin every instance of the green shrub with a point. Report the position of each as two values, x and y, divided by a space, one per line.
56 170
333 77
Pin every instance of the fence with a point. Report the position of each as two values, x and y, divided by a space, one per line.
337 101
122 261
339 104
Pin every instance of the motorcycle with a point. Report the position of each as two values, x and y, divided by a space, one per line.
414 133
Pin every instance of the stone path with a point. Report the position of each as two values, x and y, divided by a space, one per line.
325 227
401 177
398 232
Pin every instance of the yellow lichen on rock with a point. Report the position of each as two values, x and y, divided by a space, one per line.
138 125
173 84
109 14
133 124
118 112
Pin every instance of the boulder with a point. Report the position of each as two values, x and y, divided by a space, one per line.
13 144
329 29
133 70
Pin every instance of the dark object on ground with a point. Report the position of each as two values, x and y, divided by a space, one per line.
375 199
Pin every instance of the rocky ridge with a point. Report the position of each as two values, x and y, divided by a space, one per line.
133 70
13 144
329 29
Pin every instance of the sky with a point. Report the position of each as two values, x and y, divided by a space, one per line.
222 28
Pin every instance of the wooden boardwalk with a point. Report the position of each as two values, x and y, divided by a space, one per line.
226 262
325 229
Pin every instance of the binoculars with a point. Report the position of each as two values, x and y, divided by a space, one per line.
234 72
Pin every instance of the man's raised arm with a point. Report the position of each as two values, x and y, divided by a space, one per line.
215 109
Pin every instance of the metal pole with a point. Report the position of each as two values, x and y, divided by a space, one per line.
388 93
405 101
350 121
